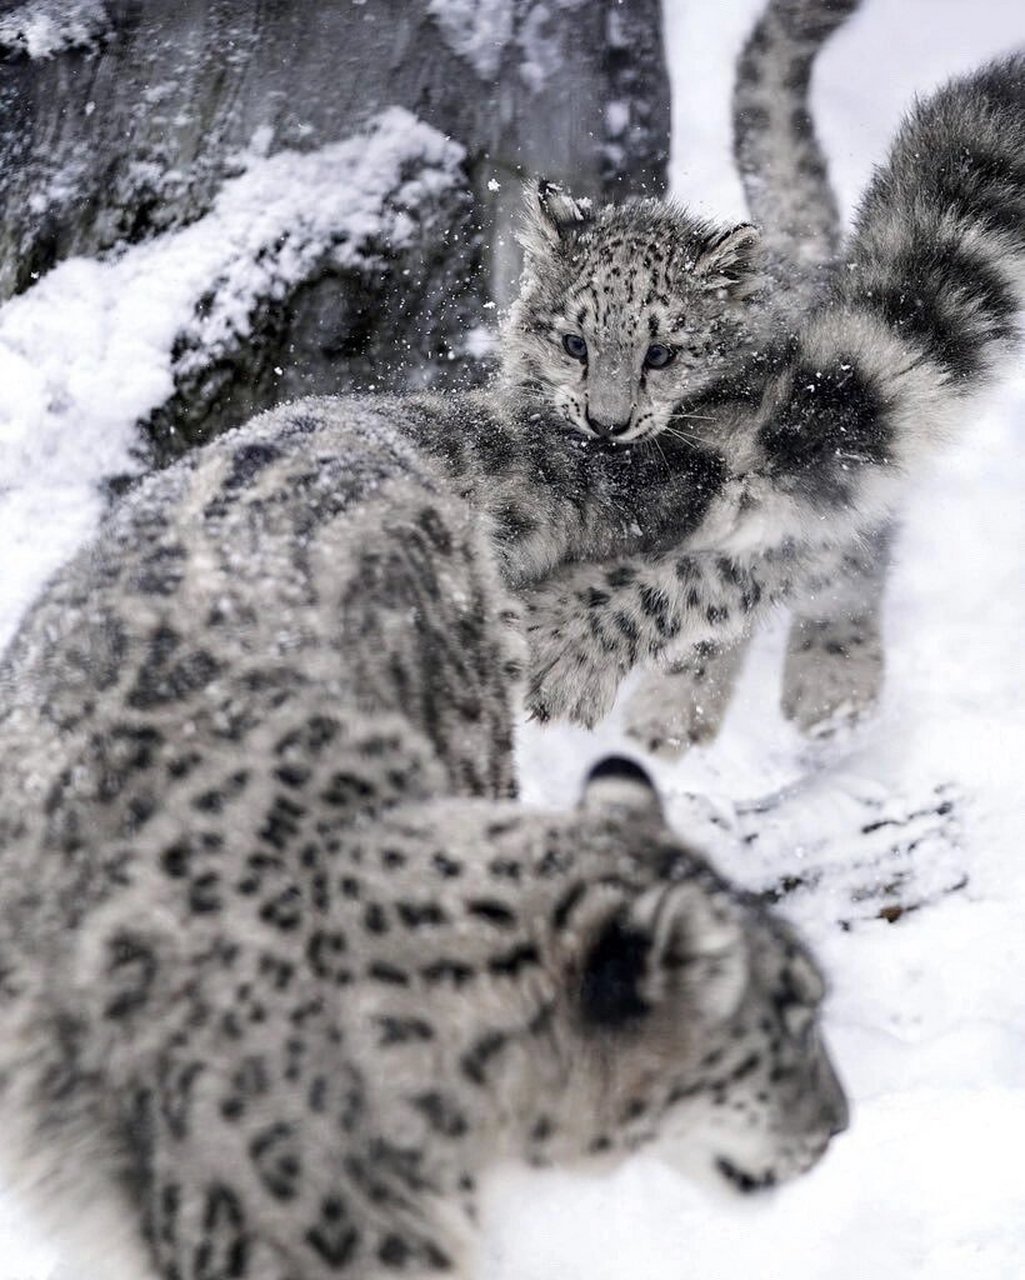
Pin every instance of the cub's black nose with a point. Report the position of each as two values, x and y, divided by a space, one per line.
607 430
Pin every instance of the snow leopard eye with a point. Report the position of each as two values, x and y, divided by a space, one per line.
575 346
658 356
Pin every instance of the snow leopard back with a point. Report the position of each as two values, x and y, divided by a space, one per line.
233 584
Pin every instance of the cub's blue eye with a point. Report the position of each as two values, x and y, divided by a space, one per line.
575 346
658 355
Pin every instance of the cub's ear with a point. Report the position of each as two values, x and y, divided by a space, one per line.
677 949
617 783
552 216
730 260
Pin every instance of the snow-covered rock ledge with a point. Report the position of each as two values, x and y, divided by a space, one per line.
97 346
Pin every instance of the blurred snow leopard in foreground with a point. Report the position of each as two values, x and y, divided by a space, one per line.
284 969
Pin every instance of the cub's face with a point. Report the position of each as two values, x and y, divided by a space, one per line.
627 312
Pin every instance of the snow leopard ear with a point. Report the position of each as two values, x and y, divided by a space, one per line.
674 948
730 260
552 215
620 784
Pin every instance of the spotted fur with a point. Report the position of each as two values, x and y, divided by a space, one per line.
283 968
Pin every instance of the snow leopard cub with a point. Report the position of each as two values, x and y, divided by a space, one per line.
625 310
770 279
814 439
282 971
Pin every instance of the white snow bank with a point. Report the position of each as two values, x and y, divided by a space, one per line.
90 349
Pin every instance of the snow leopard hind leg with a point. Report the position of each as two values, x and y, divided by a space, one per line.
835 658
786 184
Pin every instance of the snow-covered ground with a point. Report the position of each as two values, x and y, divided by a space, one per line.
927 1016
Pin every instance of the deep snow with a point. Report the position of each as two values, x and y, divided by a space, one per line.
927 1016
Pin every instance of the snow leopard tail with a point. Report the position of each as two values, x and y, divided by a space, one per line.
778 156
925 308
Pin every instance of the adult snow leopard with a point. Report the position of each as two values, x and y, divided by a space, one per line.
282 971
789 464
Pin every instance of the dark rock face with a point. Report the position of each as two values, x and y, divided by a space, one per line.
123 119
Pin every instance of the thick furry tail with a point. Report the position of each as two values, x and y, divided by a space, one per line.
925 309
778 156
938 251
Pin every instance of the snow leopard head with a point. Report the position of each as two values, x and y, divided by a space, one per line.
702 1009
626 310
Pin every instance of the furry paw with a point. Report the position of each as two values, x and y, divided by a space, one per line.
676 709
833 673
573 686
575 665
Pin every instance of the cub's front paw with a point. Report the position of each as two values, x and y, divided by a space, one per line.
572 684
